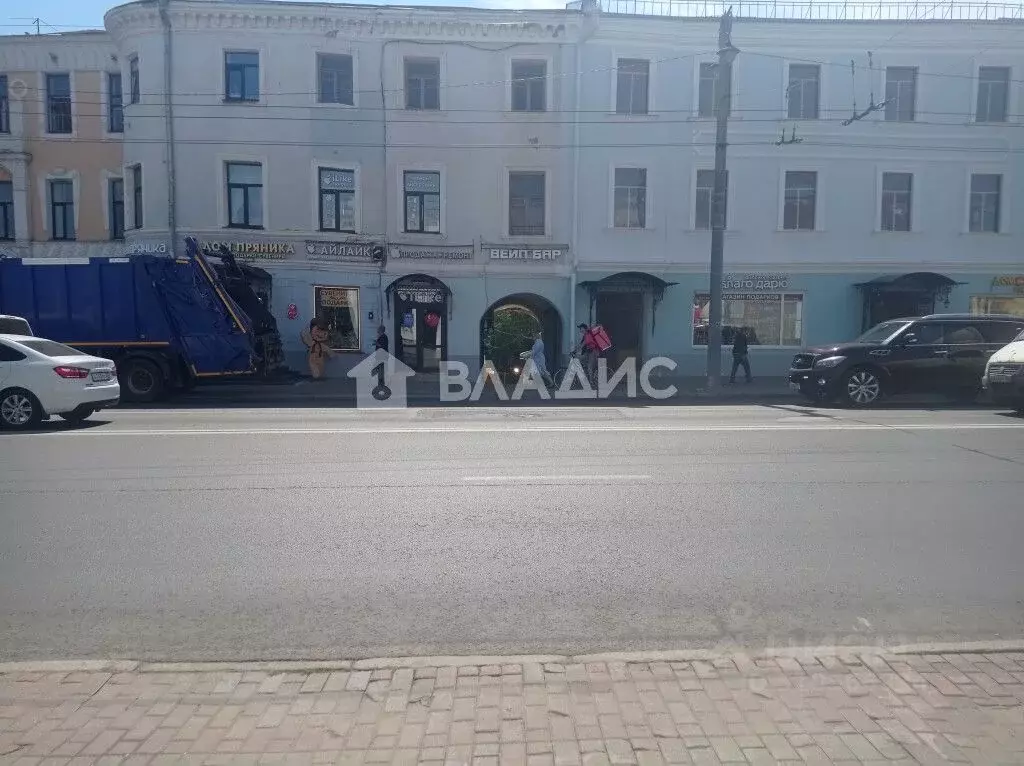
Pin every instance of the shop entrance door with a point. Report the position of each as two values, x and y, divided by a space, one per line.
420 312
622 315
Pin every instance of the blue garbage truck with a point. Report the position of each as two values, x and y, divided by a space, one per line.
167 322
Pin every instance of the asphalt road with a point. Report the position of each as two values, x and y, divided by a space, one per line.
276 534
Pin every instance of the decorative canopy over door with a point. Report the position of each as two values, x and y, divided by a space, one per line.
629 282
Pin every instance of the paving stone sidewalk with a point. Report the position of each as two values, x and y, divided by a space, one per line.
802 708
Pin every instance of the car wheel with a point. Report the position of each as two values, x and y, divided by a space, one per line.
141 380
19 409
78 415
861 387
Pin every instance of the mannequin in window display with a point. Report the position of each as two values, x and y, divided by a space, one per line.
317 350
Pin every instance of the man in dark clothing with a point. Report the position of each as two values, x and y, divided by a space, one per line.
740 355
382 339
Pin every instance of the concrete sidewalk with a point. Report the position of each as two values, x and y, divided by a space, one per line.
808 706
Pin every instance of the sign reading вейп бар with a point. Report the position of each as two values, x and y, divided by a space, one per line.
755 282
525 253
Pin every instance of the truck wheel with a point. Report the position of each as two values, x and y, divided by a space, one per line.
861 387
141 380
78 415
19 410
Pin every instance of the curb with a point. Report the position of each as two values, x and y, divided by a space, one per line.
556 660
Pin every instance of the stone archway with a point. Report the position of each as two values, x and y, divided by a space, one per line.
509 325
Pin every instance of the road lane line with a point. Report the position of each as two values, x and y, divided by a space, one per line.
506 428
561 477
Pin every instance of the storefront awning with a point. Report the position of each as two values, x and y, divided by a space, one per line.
629 282
924 281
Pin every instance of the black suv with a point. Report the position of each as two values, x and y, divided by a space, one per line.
941 353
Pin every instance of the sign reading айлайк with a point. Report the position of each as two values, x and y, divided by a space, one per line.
525 253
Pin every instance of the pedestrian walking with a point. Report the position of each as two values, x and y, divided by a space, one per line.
740 355
537 354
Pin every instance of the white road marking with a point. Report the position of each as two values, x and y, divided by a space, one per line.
506 428
561 477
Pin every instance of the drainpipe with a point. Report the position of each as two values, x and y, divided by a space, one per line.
588 9
172 187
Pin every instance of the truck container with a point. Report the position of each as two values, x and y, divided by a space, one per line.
166 322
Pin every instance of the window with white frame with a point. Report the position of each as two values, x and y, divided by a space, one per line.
137 204
632 86
337 200
62 209
704 196
993 94
245 195
706 89
335 79
134 84
6 210
803 91
630 198
986 193
526 203
115 193
900 93
422 201
529 85
897 190
115 103
242 76
800 200
423 83
768 319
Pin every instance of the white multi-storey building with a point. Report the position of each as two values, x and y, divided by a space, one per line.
421 168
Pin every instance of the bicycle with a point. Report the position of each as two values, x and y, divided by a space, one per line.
559 376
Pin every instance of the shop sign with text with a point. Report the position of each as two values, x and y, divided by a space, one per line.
146 248
531 253
1016 282
431 253
252 251
359 252
756 282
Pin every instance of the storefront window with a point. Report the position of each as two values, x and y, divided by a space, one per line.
998 304
769 319
338 307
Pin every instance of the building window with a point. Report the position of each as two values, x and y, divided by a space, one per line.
134 86
422 202
632 86
529 86
245 195
769 319
338 308
422 83
526 204
630 204
336 79
116 193
58 103
62 209
706 90
137 206
803 91
337 200
6 210
897 189
704 196
993 93
800 200
900 93
5 106
241 76
115 103
986 189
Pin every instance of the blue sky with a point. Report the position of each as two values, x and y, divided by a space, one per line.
66 14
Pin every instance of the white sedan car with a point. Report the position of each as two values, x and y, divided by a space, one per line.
40 378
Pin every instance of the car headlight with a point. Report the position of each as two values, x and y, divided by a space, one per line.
830 361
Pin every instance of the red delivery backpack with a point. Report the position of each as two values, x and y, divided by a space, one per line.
599 337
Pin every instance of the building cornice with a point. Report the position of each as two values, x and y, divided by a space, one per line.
349 22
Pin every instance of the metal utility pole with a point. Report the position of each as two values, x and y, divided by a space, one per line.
723 105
